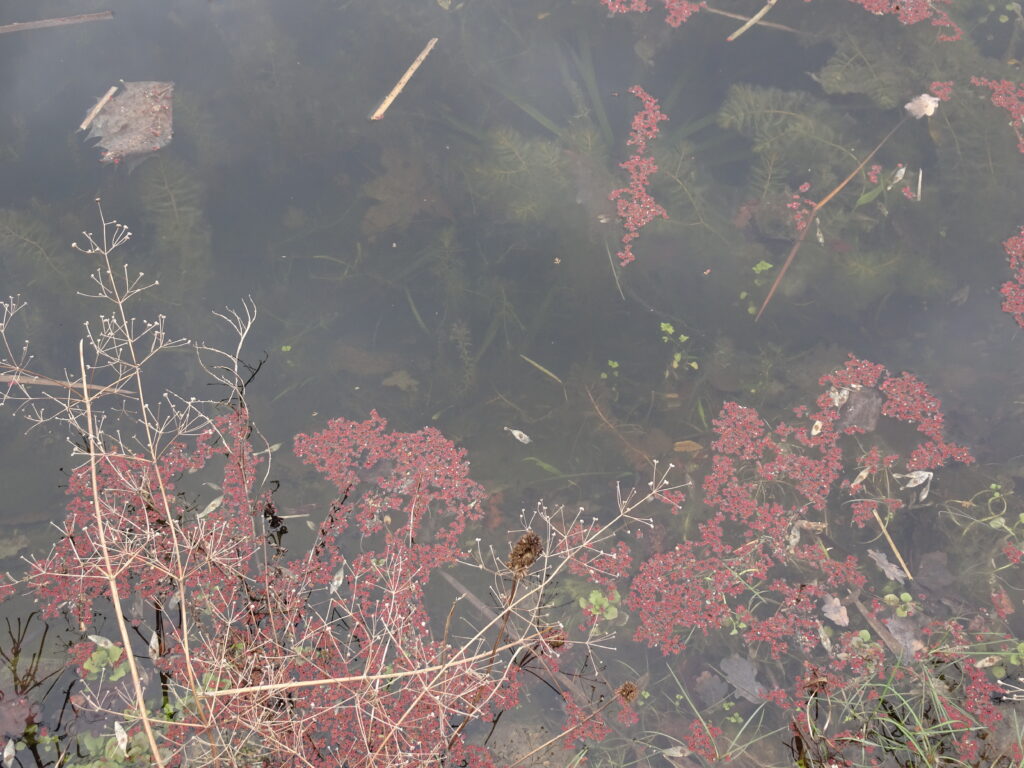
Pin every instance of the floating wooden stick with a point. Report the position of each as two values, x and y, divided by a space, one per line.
760 23
752 21
21 26
96 110
404 80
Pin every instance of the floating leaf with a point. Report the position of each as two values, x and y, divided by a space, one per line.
861 412
891 571
835 611
519 435
677 751
861 477
905 631
933 570
914 479
870 195
122 738
710 688
918 478
742 675
211 507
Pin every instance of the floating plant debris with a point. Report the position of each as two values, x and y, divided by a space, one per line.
132 122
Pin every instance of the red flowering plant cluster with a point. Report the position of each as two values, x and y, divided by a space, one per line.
907 12
677 12
916 11
201 642
1008 96
1013 290
634 203
767 568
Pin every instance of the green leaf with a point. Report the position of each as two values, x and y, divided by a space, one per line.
762 266
868 196
551 469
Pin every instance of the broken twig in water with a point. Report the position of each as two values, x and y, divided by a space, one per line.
64 21
752 21
740 17
404 80
96 109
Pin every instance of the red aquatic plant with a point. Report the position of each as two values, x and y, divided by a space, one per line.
1008 96
635 206
1013 290
765 487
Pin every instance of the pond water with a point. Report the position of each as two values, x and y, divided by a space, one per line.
453 265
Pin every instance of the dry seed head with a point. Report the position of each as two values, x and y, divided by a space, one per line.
525 552
628 692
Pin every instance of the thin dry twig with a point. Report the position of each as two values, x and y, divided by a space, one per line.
892 544
813 216
403 80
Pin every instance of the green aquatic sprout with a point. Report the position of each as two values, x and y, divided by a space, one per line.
604 607
613 370
106 656
681 358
